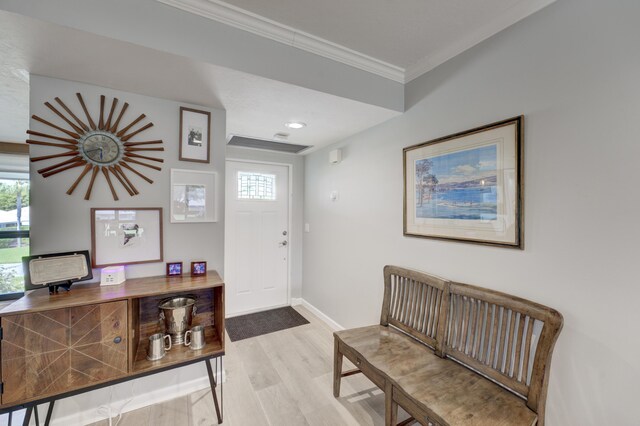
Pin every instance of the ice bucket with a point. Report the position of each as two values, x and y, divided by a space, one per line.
177 314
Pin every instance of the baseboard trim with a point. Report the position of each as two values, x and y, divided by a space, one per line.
155 396
317 312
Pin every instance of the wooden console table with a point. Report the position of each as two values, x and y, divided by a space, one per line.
56 346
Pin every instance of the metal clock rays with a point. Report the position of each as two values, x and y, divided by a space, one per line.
102 148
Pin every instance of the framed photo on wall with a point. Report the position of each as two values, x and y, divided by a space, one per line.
125 236
467 186
193 196
195 135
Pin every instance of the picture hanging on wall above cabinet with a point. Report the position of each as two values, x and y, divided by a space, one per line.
195 129
102 147
125 236
467 186
193 196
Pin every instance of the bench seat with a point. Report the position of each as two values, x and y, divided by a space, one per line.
450 392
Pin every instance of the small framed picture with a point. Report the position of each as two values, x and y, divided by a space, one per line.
195 128
198 268
174 269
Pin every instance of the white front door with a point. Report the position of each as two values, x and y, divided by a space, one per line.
256 236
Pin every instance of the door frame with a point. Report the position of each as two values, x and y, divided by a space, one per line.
289 225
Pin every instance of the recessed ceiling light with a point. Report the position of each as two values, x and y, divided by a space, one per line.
295 125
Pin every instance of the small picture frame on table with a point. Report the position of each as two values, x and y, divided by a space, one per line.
195 129
174 269
198 268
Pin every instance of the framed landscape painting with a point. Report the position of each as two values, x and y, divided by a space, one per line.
467 186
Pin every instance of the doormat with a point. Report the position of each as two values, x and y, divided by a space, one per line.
252 325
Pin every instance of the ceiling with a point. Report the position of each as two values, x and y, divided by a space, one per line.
409 36
256 106
395 39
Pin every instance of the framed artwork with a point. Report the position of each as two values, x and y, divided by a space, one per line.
198 268
125 236
195 130
174 269
193 196
467 186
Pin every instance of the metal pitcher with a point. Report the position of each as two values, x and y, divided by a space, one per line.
177 314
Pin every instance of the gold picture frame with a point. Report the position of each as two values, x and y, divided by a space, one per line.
467 186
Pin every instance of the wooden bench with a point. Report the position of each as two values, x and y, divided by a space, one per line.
453 354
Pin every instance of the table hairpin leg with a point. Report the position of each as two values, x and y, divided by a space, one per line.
213 384
27 416
34 410
220 361
49 413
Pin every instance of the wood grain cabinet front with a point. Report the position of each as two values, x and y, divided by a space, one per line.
57 351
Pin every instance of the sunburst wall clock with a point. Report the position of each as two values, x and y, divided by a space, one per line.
104 148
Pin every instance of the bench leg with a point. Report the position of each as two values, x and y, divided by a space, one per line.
390 406
337 367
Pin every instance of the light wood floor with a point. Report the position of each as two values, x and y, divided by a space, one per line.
278 379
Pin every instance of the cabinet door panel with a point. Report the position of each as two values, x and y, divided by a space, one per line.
47 353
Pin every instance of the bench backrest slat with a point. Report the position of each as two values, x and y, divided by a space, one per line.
414 302
506 338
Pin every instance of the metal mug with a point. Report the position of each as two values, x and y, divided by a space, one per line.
194 338
157 348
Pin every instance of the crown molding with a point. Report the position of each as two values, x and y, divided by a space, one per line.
243 19
500 22
259 25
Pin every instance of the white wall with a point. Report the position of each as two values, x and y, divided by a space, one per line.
295 233
60 222
572 69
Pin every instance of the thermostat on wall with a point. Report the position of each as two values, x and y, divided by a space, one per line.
112 275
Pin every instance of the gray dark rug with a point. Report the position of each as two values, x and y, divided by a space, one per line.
252 325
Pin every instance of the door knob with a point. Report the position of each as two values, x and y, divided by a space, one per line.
283 243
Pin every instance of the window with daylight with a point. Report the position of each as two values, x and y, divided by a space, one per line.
256 186
14 218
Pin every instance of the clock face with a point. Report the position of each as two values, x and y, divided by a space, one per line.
101 148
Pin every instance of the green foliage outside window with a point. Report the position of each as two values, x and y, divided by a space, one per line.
12 195
9 193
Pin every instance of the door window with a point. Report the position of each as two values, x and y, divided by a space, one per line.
256 186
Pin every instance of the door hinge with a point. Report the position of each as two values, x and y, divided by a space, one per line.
1 333
1 388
